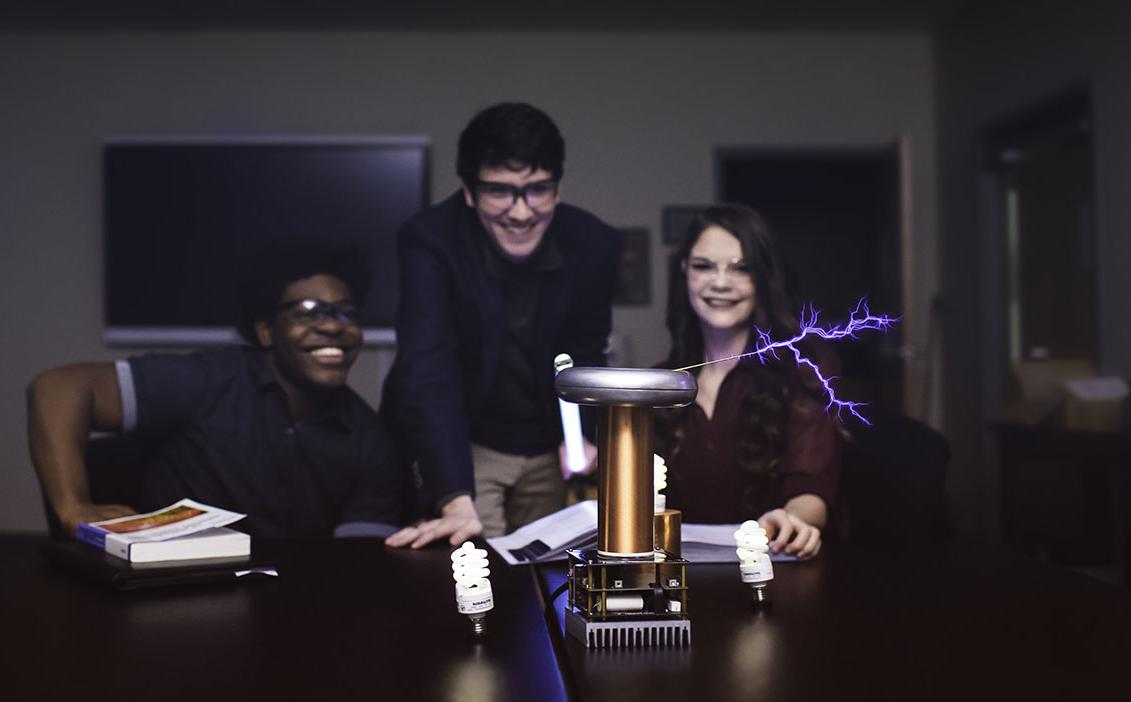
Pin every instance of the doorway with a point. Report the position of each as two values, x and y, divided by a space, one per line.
1040 193
1041 166
837 214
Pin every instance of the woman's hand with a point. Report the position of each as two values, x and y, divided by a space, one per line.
791 533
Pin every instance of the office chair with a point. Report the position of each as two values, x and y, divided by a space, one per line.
893 481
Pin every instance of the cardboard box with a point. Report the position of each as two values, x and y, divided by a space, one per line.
1042 381
1067 393
1095 404
1029 413
1042 393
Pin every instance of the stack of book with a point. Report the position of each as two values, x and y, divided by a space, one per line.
181 531
185 543
575 527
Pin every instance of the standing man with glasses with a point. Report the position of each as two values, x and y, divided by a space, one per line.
495 282
268 429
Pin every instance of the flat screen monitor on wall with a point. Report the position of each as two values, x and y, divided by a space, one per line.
178 213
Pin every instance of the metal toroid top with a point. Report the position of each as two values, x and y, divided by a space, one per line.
626 387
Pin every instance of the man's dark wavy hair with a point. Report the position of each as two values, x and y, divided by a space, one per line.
508 134
267 270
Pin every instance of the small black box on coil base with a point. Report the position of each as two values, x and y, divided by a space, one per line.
627 603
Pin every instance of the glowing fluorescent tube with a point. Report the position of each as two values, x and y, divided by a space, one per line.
571 423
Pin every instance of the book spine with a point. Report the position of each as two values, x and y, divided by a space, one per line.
117 546
92 535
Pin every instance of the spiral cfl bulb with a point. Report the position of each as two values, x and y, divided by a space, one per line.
754 557
473 589
659 481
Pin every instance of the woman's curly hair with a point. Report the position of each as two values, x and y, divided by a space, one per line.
775 383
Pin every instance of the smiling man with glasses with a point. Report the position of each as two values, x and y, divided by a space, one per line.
269 429
495 282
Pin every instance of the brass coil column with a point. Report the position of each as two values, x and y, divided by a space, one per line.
625 398
624 490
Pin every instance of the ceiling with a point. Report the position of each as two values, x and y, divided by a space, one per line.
480 15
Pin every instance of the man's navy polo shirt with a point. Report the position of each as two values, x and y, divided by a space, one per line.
226 438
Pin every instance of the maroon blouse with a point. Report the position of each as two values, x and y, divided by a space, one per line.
705 481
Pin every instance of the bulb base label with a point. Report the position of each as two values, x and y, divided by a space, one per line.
758 571
474 604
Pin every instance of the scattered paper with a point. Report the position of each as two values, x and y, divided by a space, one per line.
548 539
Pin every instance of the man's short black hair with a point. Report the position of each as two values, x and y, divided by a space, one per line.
268 270
509 133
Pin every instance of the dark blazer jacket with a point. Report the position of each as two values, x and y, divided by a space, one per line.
450 329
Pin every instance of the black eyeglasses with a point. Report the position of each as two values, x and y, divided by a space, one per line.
503 196
308 311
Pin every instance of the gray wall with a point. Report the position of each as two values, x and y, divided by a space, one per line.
641 113
1000 60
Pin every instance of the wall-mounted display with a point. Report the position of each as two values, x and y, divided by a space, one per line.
179 212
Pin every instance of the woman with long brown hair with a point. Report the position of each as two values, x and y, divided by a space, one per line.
758 441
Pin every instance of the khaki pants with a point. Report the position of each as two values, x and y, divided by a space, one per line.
511 491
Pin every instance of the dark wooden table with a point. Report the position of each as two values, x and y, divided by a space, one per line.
957 623
347 620
352 620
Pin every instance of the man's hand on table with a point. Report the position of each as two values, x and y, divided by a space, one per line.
82 512
458 520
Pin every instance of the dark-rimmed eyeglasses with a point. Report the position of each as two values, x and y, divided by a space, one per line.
308 311
503 196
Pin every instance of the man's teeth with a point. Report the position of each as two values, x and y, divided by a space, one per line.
328 352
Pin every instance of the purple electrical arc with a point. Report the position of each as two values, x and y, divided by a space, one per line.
861 319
